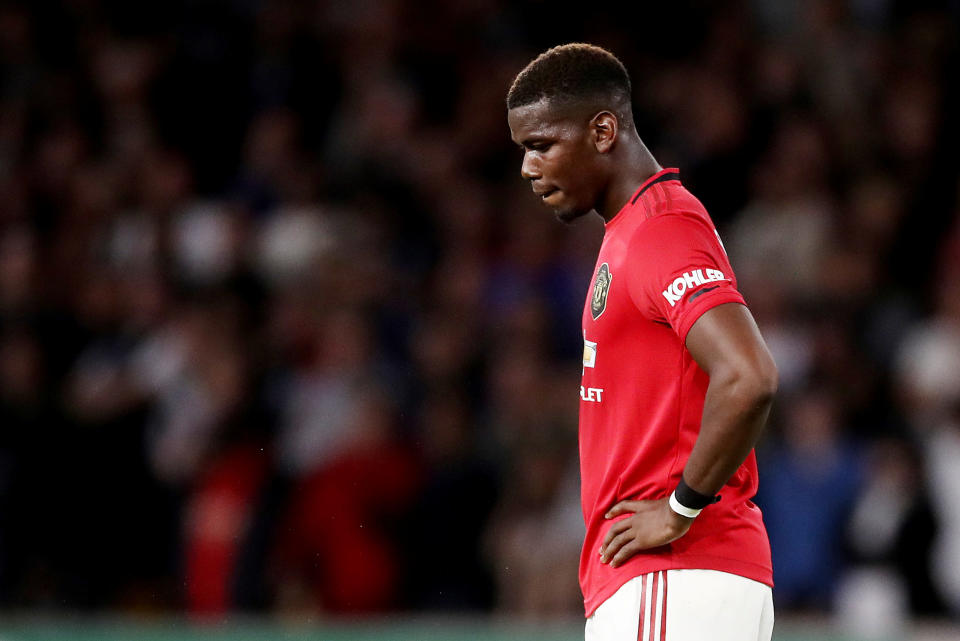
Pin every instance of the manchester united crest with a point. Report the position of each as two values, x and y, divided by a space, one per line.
600 288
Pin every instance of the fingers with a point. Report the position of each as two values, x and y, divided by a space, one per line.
625 552
623 507
649 526
612 548
614 530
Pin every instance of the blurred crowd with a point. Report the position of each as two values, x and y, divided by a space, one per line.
283 330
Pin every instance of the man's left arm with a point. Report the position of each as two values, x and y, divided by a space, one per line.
726 343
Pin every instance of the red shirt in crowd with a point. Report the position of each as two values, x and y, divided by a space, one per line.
661 266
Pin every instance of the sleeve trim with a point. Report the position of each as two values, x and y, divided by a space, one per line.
704 304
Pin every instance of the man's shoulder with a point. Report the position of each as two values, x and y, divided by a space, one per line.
671 224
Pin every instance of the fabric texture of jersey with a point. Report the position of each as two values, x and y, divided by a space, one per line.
660 267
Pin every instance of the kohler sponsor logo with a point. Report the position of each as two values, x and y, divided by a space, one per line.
689 281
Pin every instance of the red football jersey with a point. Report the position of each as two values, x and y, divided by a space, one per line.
660 267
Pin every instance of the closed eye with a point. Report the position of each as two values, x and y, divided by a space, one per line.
535 145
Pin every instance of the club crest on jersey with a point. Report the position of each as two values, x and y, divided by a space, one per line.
601 286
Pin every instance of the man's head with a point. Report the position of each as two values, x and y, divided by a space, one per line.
566 110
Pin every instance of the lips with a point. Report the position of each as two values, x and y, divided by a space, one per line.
544 194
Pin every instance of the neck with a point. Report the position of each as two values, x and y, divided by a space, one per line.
633 165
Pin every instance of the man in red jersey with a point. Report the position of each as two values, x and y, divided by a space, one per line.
677 381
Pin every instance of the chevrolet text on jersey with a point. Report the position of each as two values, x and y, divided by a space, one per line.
691 280
591 394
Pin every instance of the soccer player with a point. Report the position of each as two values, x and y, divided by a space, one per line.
677 381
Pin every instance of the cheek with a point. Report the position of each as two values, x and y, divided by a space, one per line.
574 179
575 165
566 170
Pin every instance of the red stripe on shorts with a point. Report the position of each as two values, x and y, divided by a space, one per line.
643 596
653 604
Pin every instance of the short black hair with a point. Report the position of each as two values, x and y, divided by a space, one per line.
569 73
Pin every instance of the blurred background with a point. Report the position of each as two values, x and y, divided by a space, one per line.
286 340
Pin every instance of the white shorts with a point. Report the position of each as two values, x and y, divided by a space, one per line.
685 605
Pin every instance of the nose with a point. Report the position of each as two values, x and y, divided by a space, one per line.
529 169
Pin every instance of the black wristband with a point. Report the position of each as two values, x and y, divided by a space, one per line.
689 497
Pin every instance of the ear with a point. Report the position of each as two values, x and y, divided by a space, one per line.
603 129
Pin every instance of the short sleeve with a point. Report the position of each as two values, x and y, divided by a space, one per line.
677 269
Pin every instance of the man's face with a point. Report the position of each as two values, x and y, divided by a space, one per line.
559 158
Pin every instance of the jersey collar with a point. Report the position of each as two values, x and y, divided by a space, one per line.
670 173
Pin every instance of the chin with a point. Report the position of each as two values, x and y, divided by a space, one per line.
568 215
